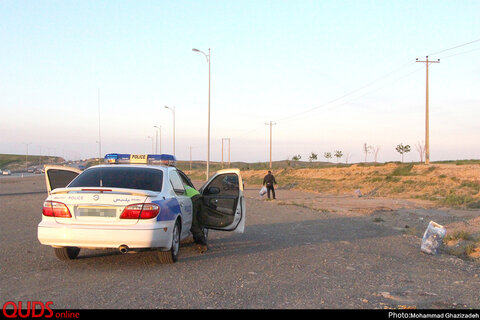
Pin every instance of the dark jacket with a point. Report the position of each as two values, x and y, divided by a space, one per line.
269 180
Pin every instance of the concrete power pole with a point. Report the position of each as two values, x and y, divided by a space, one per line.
99 134
190 157
228 151
270 124
427 142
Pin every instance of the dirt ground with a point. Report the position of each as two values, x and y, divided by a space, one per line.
347 192
303 250
402 196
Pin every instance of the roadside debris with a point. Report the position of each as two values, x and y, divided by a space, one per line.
263 191
358 193
432 238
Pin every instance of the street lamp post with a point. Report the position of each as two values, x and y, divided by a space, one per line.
228 151
173 111
26 157
208 144
99 134
152 142
159 139
156 140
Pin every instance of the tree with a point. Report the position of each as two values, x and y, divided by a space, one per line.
375 152
421 150
296 157
367 149
402 149
338 154
313 156
327 155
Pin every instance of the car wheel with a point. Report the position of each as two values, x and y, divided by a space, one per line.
171 256
66 253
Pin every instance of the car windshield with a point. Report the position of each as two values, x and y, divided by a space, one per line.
120 177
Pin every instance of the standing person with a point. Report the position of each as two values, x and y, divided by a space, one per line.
268 181
196 229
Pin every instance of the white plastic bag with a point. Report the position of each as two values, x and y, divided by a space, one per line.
432 238
263 191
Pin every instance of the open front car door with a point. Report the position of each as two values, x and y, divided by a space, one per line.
223 206
59 176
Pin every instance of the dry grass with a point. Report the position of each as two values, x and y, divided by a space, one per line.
445 184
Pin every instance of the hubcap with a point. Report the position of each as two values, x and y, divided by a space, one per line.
176 240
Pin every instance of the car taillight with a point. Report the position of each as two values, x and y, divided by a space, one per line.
140 211
55 209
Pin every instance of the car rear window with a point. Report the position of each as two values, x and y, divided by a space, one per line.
120 177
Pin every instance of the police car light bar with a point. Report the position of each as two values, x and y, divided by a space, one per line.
127 158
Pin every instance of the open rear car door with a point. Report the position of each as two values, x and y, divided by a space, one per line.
223 206
59 176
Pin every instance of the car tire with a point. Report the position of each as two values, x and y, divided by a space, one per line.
66 253
171 255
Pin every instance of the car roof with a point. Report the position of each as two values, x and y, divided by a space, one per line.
158 167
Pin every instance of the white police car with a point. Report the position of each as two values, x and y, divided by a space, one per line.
133 202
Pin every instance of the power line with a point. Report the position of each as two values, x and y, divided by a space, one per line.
328 104
377 80
460 53
459 46
349 93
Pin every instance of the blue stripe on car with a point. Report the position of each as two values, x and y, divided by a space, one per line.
169 209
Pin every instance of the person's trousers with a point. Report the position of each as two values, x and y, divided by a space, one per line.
196 229
270 188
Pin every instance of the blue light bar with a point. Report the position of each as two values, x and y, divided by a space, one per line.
127 158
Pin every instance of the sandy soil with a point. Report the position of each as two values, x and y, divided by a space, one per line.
322 250
408 215
405 201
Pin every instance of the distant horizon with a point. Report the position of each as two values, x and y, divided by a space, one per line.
267 161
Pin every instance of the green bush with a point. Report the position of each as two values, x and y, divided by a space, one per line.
404 170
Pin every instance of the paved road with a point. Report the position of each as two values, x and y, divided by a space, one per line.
289 257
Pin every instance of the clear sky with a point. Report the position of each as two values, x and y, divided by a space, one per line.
332 75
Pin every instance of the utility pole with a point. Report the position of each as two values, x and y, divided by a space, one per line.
222 151
270 124
99 134
26 157
427 142
190 157
228 151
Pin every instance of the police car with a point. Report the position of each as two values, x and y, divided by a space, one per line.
134 202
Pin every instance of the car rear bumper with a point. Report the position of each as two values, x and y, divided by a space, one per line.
88 236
